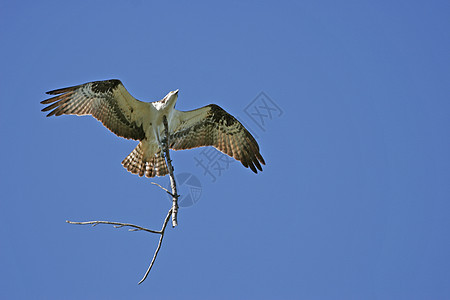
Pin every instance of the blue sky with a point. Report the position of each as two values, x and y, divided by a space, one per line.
352 204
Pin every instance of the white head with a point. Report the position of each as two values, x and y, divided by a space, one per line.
168 101
171 98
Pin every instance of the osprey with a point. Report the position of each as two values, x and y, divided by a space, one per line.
109 102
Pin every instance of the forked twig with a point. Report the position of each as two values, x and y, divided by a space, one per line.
172 212
167 191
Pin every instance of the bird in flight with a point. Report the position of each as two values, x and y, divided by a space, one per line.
109 102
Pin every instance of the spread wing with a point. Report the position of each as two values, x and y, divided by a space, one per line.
108 101
213 126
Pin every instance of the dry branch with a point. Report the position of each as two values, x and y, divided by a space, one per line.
172 212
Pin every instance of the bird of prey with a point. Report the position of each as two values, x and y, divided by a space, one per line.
109 102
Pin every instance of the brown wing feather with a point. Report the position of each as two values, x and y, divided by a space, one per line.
215 127
107 101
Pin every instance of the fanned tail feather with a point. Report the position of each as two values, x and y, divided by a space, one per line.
136 164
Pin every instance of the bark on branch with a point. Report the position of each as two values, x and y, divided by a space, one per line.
173 183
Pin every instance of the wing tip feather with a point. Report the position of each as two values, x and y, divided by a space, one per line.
258 165
55 92
49 100
261 159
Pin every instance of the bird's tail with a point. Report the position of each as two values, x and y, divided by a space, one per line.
136 163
